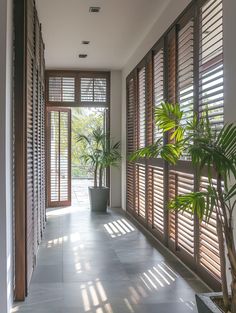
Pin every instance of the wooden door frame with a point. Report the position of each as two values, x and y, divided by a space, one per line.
48 146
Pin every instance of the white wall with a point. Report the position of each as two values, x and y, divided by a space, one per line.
171 12
5 155
115 122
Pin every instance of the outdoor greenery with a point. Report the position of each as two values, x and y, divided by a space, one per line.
213 151
84 120
99 152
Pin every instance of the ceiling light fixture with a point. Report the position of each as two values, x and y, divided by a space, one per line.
83 56
94 9
85 42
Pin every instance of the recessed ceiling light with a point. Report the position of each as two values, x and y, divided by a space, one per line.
85 42
83 56
94 9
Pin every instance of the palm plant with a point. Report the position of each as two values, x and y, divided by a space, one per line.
100 153
213 151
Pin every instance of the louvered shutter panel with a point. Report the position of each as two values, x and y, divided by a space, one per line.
61 89
37 41
130 142
149 106
43 159
185 73
30 25
59 154
86 89
36 159
140 192
181 224
156 198
39 186
211 88
158 82
100 90
93 90
142 108
43 126
30 168
208 245
171 93
172 62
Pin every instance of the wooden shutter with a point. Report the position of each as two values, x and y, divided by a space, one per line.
59 157
185 75
131 117
211 88
142 107
61 89
42 136
208 244
149 103
185 71
140 190
156 198
93 90
158 85
172 63
36 159
181 224
30 168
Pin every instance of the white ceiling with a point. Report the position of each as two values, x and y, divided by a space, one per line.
114 33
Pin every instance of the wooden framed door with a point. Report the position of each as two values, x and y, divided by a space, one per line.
58 157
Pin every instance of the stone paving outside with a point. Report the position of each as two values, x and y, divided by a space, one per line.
80 197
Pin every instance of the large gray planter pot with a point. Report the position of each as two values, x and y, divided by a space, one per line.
205 303
98 199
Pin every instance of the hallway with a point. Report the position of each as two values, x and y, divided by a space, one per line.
100 263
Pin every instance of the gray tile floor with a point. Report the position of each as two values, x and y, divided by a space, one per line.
100 263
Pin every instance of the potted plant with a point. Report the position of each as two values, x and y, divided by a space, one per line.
215 151
100 154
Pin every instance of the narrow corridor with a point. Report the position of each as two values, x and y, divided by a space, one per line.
100 263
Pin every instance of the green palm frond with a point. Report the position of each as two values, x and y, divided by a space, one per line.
201 203
81 137
151 151
231 193
168 116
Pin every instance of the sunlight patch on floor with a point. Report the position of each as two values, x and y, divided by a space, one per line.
118 228
158 276
95 297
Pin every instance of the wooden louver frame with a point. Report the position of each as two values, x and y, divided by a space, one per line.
77 76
